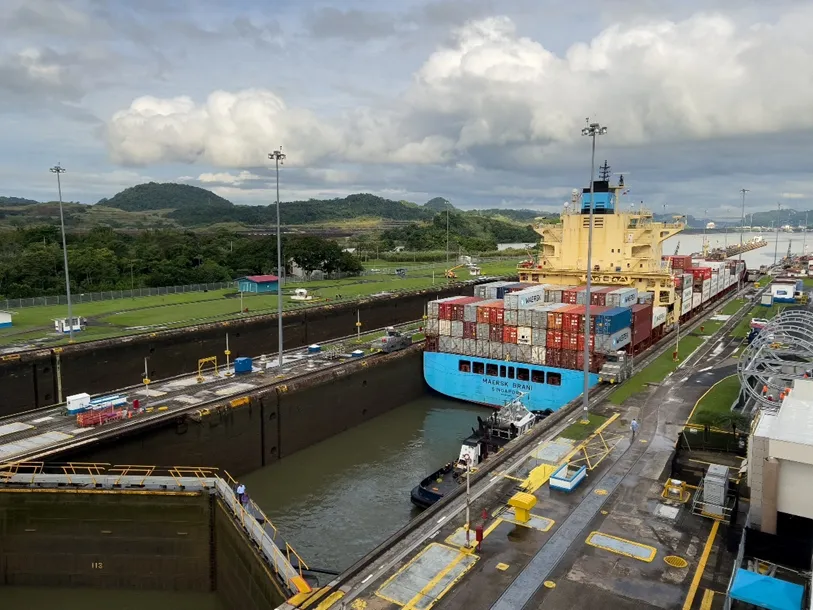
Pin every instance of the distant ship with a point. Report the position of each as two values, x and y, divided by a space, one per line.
528 336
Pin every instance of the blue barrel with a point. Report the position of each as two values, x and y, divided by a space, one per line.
242 365
314 349
357 354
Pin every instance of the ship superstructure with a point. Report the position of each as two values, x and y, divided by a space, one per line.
627 246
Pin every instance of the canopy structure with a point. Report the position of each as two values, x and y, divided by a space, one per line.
766 591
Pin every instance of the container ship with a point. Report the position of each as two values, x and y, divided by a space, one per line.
528 336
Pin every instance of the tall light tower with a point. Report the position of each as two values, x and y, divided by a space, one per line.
278 158
705 226
592 130
776 239
58 170
742 242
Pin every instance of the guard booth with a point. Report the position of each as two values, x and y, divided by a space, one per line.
63 326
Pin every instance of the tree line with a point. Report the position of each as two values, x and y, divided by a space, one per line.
31 261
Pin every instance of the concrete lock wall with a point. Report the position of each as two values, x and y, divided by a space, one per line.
276 423
29 380
119 540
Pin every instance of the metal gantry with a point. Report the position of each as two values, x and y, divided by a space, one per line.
781 353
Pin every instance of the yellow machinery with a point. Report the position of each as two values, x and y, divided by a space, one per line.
203 361
450 273
675 490
522 503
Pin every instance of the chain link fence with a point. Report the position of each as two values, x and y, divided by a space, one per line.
89 297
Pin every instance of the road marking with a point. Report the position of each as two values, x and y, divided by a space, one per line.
369 576
708 598
701 566
622 546
708 368
41 419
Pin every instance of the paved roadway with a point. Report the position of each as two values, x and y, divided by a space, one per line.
37 433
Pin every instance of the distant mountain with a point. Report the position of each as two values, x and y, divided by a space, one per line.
439 204
15 201
524 216
165 196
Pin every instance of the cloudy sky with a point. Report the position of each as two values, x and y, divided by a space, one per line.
478 101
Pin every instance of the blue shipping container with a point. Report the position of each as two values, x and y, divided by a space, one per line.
242 365
613 320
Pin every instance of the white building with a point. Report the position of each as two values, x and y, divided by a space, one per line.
5 319
61 325
780 460
711 225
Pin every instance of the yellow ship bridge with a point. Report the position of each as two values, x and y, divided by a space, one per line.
627 246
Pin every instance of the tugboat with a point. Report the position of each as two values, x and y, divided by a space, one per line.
503 426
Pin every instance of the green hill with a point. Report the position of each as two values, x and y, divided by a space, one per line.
16 201
439 204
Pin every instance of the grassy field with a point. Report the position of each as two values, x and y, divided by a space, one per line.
743 328
717 401
125 316
655 372
580 431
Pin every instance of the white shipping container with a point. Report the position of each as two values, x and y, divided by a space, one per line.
470 312
524 334
483 347
77 402
445 328
527 297
706 286
482 331
659 315
538 354
553 295
524 317
687 292
714 287
470 347
524 353
539 336
495 350
697 299
432 327
614 342
623 297
706 294
539 315
509 351
444 344
510 317
457 329
686 305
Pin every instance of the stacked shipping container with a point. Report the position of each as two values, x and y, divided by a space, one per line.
539 324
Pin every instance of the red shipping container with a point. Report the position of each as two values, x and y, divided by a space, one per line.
555 317
570 359
596 362
495 333
496 314
509 334
570 340
598 296
553 339
571 317
678 281
430 344
552 356
580 344
570 296
469 330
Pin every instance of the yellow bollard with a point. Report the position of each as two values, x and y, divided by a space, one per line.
522 504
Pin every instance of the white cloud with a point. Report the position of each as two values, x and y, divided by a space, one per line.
492 97
227 178
793 195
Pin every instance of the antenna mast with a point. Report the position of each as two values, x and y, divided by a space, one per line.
604 172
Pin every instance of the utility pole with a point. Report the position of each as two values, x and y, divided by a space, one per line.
804 238
705 222
592 130
278 156
58 170
776 240
447 238
742 240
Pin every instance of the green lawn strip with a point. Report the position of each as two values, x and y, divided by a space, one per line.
656 371
176 310
759 311
733 307
807 282
580 431
717 401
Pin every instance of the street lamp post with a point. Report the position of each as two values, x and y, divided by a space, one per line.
592 130
58 170
742 239
278 156
705 226
776 238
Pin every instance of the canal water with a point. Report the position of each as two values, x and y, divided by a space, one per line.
337 500
689 244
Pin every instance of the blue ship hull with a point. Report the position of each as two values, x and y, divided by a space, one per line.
546 387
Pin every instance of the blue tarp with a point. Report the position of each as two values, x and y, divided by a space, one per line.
766 592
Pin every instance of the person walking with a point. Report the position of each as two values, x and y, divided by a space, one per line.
241 489
634 427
